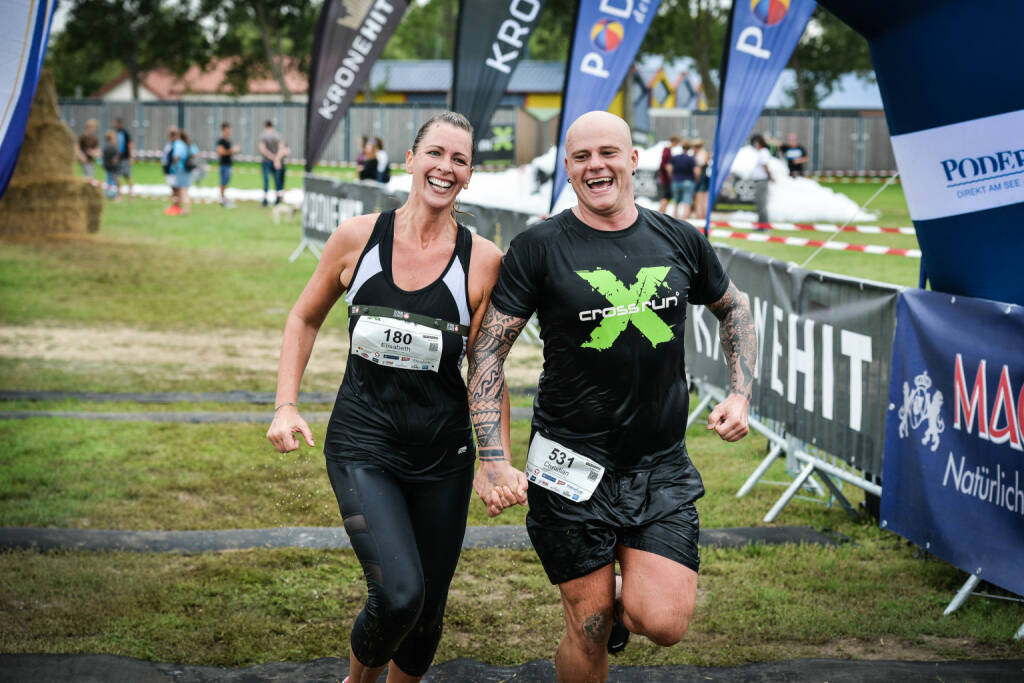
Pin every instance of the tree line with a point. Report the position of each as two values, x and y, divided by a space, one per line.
102 39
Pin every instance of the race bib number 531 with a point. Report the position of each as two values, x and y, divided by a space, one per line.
562 470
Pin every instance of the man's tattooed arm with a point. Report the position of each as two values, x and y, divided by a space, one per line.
487 379
736 332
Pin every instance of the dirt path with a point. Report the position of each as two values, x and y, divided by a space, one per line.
251 350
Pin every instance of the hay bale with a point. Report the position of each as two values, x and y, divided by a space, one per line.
44 196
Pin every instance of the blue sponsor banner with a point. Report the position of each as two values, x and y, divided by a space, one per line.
953 473
27 27
608 35
956 130
762 36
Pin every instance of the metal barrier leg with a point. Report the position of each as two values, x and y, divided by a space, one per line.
303 245
805 473
961 595
756 475
850 510
704 402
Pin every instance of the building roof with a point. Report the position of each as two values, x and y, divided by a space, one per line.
166 85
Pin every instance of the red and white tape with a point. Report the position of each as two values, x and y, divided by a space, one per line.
804 242
816 227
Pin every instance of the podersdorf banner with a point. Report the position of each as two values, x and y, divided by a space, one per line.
26 32
607 37
350 35
762 36
491 39
956 119
954 438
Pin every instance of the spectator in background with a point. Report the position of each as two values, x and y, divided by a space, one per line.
270 146
683 181
367 170
167 163
795 155
665 173
111 164
701 161
383 170
88 149
761 175
182 173
126 150
196 165
225 152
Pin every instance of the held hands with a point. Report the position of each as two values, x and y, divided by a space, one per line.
729 418
499 485
282 430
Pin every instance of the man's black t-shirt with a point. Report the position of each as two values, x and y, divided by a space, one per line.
224 159
792 153
611 306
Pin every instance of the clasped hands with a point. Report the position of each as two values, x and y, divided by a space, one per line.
499 485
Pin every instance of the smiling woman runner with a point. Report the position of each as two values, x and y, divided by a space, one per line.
399 447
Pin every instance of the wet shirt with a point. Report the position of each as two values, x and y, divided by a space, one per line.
611 306
224 159
403 402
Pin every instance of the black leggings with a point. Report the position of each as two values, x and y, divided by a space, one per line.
407 536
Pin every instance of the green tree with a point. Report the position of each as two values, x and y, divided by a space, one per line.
690 28
139 35
828 49
427 31
262 37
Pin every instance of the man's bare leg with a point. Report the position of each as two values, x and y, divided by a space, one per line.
587 603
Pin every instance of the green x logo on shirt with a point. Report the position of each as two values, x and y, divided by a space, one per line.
629 306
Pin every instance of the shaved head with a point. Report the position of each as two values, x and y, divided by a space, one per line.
603 124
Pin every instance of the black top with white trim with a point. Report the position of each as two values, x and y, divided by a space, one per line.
402 403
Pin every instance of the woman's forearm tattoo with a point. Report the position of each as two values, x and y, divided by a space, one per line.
739 342
487 379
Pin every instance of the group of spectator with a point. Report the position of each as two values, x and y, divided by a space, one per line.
114 154
372 162
683 178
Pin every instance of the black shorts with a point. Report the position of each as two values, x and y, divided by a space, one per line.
652 511
664 190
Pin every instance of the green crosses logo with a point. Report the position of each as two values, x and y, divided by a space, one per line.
635 304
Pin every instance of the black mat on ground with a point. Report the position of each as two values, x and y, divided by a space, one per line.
257 397
188 418
511 537
111 669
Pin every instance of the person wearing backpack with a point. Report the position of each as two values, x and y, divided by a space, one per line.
167 164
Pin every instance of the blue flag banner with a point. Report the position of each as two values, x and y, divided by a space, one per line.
762 36
23 36
608 35
956 127
953 472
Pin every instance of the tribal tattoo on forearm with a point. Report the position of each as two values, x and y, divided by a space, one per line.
487 379
739 342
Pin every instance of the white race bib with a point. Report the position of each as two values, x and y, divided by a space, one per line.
562 469
397 343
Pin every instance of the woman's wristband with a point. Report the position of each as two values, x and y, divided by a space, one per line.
289 403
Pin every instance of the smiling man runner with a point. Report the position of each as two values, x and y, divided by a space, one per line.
609 475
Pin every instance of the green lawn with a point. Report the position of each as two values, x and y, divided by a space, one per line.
221 278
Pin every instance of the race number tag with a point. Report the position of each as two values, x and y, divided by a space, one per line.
561 469
397 343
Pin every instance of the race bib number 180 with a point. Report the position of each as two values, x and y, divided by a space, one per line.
397 343
562 470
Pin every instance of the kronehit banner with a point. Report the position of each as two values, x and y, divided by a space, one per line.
824 347
956 120
23 38
350 35
491 39
954 441
762 36
607 37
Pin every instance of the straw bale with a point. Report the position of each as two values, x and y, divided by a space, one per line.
50 206
44 196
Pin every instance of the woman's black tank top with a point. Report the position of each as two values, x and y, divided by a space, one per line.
402 402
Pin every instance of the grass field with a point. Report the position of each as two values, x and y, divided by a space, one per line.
155 303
